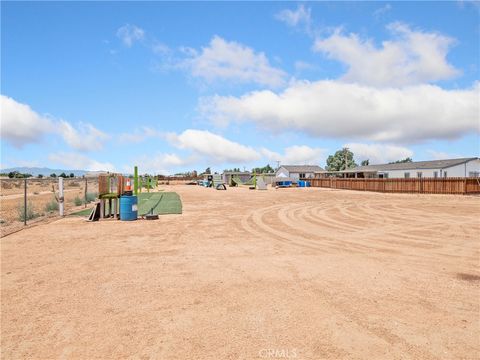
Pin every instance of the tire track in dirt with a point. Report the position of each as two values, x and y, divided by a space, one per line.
325 228
420 232
255 219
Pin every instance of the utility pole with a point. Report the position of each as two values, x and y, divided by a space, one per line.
345 152
278 164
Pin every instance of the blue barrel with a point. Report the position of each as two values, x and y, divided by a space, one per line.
301 183
307 183
128 207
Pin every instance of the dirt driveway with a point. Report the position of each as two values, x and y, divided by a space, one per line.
278 274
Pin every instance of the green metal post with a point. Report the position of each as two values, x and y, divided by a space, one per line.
135 180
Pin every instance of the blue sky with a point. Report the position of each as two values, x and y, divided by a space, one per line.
181 86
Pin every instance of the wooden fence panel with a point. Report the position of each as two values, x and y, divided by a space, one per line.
414 185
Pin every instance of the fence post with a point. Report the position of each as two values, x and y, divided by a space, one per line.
464 186
60 196
86 184
25 202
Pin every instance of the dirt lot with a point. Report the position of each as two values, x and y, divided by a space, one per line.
278 274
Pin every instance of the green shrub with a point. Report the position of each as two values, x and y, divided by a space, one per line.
77 201
91 196
51 206
31 214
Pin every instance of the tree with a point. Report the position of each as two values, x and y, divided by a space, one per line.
263 170
365 162
40 176
72 175
232 170
208 171
53 175
406 160
62 175
18 175
341 160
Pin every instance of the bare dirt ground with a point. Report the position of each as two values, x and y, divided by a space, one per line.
292 273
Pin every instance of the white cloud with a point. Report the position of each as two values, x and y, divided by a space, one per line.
296 155
302 65
164 163
21 125
214 147
441 155
381 11
76 161
337 109
85 138
378 153
411 57
293 18
160 48
130 34
231 61
139 135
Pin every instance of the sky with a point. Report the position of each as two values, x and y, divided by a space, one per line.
178 86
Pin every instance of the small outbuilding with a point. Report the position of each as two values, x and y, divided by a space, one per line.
297 172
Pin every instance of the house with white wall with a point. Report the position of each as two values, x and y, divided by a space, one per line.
463 167
296 172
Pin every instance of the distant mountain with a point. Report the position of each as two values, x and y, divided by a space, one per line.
35 171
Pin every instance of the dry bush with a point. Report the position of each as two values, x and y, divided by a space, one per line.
6 185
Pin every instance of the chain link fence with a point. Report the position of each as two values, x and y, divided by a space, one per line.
25 201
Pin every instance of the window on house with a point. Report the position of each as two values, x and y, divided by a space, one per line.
419 174
406 175
474 174
302 176
444 174
435 174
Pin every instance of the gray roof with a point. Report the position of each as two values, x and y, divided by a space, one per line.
433 164
302 168
237 173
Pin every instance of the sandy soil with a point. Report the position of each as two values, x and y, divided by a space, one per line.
278 274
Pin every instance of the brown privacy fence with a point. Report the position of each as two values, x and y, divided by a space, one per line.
413 185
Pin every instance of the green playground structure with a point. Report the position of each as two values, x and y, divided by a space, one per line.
257 181
237 181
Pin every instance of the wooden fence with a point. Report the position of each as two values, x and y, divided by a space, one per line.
413 185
